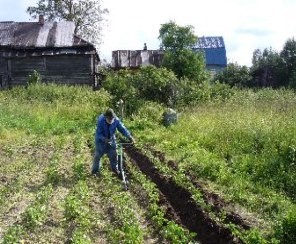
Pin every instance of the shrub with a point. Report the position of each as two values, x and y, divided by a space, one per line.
156 84
136 87
234 75
34 78
289 228
162 86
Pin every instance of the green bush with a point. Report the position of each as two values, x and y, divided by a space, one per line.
135 87
34 78
161 86
234 75
289 228
120 85
156 84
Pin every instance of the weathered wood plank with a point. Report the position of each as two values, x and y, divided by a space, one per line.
63 69
3 65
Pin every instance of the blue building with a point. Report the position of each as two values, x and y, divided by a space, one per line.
213 48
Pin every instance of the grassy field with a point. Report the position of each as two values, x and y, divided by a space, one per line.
242 149
47 194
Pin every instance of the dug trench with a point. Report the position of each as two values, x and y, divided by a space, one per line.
181 206
217 203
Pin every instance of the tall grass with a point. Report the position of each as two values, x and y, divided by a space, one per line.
243 147
50 109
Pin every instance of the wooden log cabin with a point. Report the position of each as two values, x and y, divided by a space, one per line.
50 48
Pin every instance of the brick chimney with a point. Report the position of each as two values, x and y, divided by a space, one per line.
41 19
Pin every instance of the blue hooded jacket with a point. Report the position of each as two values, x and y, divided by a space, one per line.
103 127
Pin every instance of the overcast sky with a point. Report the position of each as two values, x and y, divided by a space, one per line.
245 24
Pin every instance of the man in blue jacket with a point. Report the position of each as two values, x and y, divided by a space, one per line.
105 140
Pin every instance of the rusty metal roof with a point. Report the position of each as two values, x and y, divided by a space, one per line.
36 35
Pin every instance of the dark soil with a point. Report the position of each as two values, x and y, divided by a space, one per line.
213 199
180 206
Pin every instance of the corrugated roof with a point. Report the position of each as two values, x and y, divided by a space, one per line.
214 50
34 34
210 42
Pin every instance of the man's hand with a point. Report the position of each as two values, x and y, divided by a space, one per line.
107 140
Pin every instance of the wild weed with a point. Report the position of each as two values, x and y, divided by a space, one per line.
53 173
79 236
36 213
13 235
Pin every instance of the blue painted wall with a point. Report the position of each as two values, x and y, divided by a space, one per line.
214 51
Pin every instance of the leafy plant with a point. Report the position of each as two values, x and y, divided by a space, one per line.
36 213
289 228
53 173
79 169
234 75
13 234
80 237
76 208
34 78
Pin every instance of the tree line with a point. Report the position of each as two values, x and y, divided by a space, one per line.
269 69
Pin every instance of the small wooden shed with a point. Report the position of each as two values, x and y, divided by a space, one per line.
51 48
135 58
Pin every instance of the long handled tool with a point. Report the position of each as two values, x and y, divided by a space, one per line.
121 164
